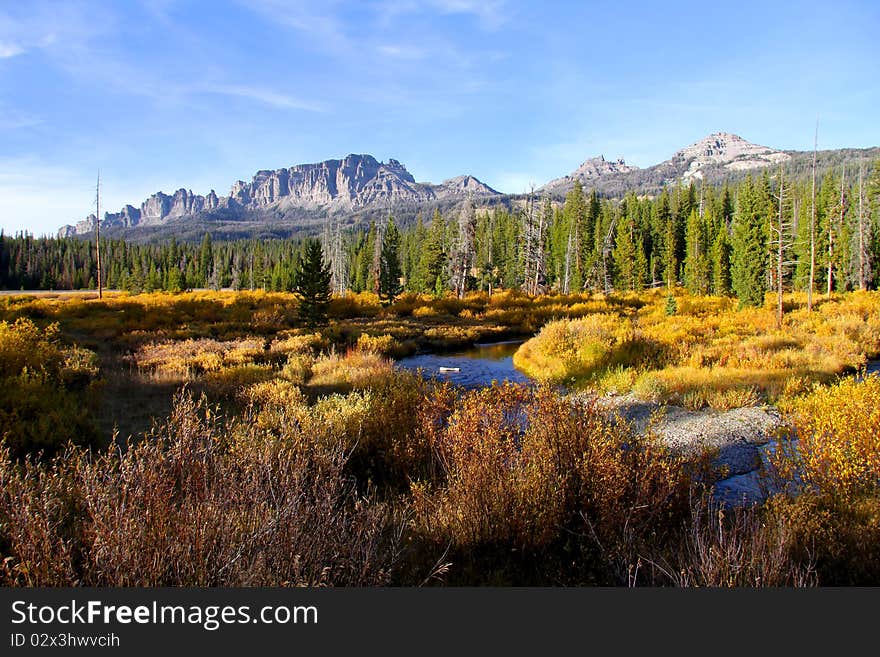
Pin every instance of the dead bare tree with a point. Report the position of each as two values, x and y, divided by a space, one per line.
334 253
532 254
862 237
538 284
831 227
528 239
813 224
781 235
98 236
490 260
566 279
462 262
607 247
377 256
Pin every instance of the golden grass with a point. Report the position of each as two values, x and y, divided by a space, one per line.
708 353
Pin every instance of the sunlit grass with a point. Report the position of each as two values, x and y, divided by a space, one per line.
708 353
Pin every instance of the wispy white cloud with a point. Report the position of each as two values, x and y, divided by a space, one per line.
492 14
47 25
24 203
316 20
402 51
10 49
265 96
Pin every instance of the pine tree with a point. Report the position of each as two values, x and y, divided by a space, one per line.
389 265
749 258
312 284
696 262
206 259
432 259
721 264
630 263
576 228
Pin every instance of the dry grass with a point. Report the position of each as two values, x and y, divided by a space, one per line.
527 479
324 465
708 353
204 503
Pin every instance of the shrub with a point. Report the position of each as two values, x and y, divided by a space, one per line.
837 451
202 503
743 546
526 474
45 399
829 474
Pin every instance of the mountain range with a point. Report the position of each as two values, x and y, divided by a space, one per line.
281 202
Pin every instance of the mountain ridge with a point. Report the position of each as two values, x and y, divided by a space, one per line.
353 184
719 149
358 187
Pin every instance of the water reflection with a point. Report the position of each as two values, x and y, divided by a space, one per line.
474 367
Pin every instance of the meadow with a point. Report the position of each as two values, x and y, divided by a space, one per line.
209 438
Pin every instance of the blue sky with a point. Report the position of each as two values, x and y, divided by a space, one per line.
175 93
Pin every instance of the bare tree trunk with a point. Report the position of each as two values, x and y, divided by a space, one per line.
539 254
377 256
338 264
831 234
566 281
779 251
464 250
701 198
98 235
527 253
607 246
813 225
863 278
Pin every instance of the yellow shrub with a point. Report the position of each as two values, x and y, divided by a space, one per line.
356 369
378 344
838 438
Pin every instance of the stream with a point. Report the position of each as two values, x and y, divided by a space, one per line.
475 367
481 364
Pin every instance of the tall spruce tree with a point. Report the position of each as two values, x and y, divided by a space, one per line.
630 264
389 265
312 284
749 260
432 258
721 264
696 260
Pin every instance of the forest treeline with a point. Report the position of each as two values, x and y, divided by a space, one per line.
739 239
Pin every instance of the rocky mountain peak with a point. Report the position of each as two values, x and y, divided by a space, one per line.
589 171
727 150
356 183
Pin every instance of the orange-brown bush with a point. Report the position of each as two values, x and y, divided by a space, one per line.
531 482
204 503
743 546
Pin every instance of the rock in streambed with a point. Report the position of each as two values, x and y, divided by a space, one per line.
739 435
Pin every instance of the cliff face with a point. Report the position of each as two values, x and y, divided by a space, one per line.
725 150
354 183
591 170
281 202
712 157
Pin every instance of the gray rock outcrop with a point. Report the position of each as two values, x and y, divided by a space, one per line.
354 183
